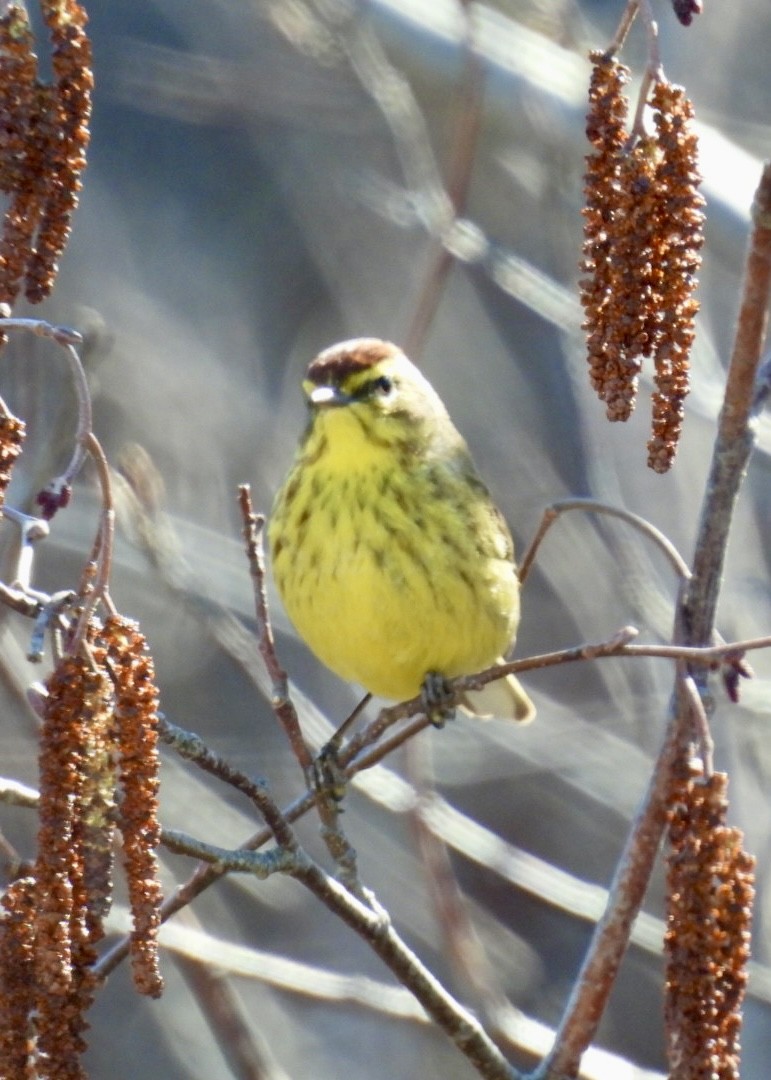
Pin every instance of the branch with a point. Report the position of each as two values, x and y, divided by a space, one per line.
283 707
31 530
611 935
372 924
192 748
375 928
736 437
594 506
261 864
327 803
694 621
103 545
56 493
15 794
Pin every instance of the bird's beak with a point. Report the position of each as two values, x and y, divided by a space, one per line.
326 395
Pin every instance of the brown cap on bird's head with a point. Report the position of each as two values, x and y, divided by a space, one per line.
336 364
378 376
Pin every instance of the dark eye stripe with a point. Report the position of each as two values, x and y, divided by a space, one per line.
383 384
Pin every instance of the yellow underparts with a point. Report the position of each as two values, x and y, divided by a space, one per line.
390 567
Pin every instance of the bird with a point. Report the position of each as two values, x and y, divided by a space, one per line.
392 560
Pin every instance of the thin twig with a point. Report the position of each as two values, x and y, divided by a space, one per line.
263 864
282 704
56 493
654 73
629 16
594 506
21 602
708 657
15 794
341 850
354 758
373 925
62 335
106 536
192 748
49 615
652 29
638 130
342 729
699 719
31 530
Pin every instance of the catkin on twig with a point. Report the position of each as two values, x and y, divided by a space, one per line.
642 234
44 135
12 432
136 714
79 696
710 897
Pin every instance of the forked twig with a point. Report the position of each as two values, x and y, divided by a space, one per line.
327 803
594 506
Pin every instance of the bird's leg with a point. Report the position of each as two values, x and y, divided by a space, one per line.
438 700
326 775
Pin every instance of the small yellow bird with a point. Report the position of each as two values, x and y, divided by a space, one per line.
391 558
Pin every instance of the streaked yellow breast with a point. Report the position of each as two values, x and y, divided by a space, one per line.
391 564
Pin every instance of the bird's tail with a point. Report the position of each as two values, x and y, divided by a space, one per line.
503 698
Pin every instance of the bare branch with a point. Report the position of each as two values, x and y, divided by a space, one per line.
611 936
594 506
735 438
281 702
192 748
104 544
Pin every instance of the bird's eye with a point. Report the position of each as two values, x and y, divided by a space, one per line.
382 385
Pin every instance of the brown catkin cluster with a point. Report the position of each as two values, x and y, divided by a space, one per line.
12 432
711 892
136 714
17 981
642 234
66 122
44 135
99 730
612 374
676 251
79 696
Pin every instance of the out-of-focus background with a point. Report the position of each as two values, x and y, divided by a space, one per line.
265 179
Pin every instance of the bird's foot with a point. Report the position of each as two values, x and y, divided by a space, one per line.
438 699
326 776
